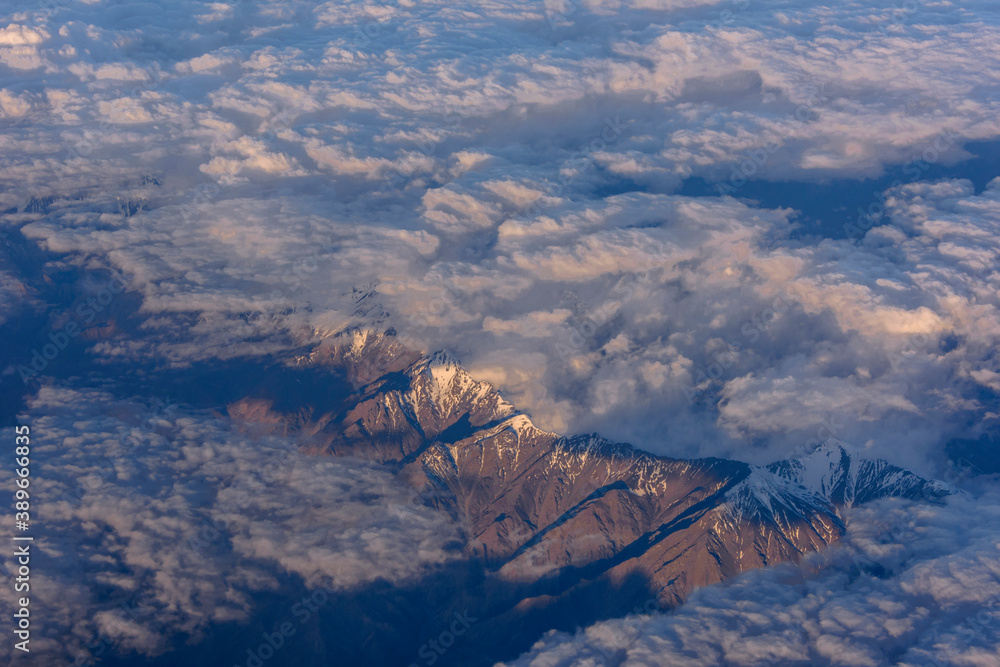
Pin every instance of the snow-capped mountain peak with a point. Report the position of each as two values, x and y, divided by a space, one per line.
845 475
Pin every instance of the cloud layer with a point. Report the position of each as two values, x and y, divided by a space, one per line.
506 185
180 521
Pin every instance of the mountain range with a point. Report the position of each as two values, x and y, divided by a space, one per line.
560 531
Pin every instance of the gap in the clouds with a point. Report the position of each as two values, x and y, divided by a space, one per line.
27 327
979 456
63 295
214 384
383 624
827 207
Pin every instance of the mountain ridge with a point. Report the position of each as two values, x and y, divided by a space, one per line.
542 506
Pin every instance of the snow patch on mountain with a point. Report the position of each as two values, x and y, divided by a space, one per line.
763 496
439 381
832 478
845 475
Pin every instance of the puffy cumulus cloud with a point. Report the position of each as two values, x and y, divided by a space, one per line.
183 521
456 212
910 585
19 46
12 105
251 154
217 12
21 35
